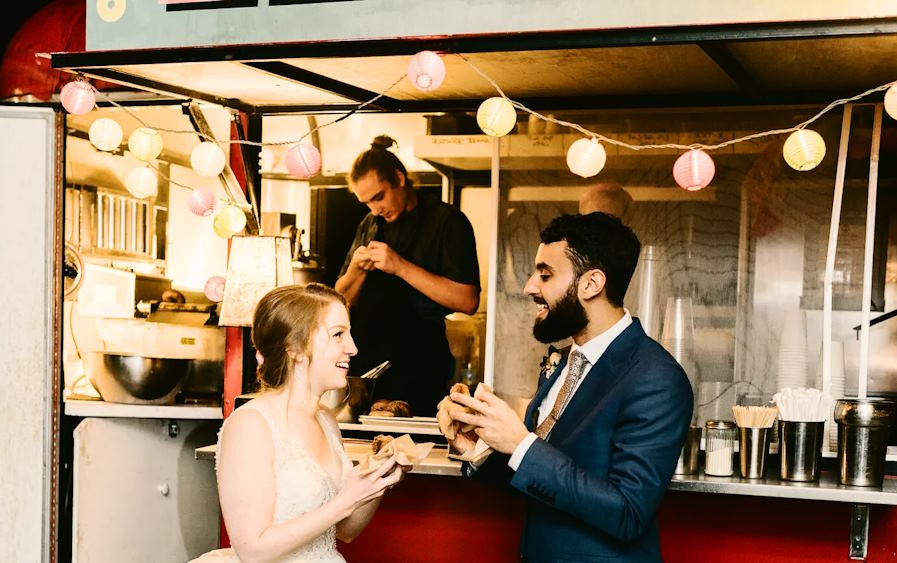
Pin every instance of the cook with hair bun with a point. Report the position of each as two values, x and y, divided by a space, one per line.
413 261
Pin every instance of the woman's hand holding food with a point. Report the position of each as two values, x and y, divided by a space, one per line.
361 489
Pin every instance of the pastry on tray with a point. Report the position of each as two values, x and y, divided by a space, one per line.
387 408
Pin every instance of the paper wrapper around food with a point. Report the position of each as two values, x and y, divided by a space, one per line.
480 451
407 454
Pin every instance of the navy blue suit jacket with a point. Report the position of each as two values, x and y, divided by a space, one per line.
594 486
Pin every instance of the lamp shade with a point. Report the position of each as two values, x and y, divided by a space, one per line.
496 117
145 143
142 182
303 160
214 289
804 149
207 159
202 202
586 157
426 71
77 97
256 265
105 134
694 170
229 221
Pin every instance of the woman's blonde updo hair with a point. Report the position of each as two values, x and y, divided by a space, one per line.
380 159
282 327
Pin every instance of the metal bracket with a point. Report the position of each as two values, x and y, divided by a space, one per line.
859 531
228 180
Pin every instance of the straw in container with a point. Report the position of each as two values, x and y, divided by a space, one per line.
800 404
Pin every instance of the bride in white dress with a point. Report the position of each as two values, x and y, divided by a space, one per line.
287 488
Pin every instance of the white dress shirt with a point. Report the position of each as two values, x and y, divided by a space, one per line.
592 350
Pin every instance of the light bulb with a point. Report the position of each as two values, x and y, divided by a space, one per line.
804 149
586 157
891 101
142 182
105 134
694 170
426 70
145 143
207 159
496 116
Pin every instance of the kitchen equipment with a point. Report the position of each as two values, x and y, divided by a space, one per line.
800 449
753 447
122 379
137 349
688 457
863 429
720 447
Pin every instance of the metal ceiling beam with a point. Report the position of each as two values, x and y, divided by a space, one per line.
723 99
324 83
164 88
579 39
726 61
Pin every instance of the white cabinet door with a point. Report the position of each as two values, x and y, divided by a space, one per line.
139 494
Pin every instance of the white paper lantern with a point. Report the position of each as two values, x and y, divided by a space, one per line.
891 101
496 117
207 159
586 157
145 144
229 221
804 149
142 182
105 134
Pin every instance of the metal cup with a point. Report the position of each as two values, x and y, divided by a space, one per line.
688 457
864 426
800 449
753 447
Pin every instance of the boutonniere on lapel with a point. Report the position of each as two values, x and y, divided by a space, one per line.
550 362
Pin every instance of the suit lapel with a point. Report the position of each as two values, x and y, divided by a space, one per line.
542 390
612 366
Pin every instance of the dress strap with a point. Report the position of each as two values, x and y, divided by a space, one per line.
269 419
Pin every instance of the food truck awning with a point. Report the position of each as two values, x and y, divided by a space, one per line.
807 62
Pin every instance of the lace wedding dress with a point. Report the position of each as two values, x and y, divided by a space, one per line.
302 486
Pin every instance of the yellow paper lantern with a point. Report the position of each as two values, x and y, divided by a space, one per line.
891 101
586 157
145 144
229 221
105 134
804 149
207 159
496 117
142 182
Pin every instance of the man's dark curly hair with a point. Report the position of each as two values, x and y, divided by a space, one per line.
598 241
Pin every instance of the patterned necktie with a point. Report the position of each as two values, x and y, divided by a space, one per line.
575 368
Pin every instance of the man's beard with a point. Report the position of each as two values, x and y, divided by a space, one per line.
564 319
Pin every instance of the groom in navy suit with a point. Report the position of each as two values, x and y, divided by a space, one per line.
603 432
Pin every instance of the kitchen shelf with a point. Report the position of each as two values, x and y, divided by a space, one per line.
120 410
828 488
391 428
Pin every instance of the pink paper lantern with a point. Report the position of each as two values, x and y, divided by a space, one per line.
214 289
303 160
426 71
77 97
202 202
694 170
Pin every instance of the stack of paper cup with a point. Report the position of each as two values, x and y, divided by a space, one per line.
793 351
837 387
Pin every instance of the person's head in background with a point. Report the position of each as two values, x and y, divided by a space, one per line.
379 180
302 331
608 197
